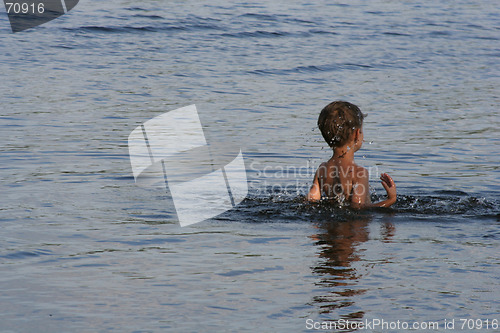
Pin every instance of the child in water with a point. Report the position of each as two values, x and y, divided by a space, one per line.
340 179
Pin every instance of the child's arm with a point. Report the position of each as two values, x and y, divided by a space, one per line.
361 195
315 191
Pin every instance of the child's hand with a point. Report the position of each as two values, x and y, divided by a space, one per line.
389 186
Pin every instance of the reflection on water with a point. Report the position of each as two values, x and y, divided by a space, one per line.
338 244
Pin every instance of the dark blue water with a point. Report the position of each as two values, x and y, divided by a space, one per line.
86 250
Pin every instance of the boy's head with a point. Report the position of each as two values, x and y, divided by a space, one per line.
338 122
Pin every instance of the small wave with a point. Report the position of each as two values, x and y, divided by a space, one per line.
261 17
487 38
158 27
275 18
311 69
440 33
391 33
257 33
253 271
146 242
26 254
322 32
124 29
134 9
148 16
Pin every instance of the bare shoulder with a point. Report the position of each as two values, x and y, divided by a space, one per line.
361 175
322 169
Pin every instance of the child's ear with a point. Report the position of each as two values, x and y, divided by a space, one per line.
357 134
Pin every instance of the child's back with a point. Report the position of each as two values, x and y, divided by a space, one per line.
337 177
340 178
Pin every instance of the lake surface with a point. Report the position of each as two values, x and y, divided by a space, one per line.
84 249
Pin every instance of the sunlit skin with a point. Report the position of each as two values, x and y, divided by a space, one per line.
340 177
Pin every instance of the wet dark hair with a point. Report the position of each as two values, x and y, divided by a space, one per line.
338 120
